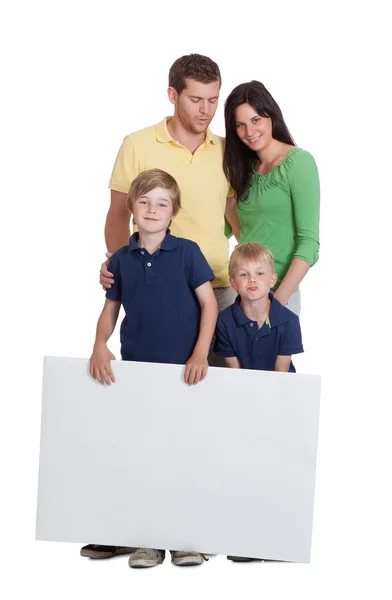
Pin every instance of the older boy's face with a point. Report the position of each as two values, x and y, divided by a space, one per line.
153 211
195 107
253 280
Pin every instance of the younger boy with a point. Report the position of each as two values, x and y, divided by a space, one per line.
256 332
164 284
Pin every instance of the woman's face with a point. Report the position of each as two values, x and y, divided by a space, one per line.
253 130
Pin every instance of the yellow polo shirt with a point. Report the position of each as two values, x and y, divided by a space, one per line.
203 185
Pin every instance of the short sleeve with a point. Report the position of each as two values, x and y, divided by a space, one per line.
197 268
222 345
115 293
291 340
126 167
305 193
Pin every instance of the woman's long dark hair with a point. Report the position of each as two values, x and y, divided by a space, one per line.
238 158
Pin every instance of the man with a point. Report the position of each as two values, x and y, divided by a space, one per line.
183 146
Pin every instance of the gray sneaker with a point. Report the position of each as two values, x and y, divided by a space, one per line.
98 551
187 559
146 557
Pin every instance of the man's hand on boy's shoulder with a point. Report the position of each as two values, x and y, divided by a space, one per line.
100 368
195 368
105 277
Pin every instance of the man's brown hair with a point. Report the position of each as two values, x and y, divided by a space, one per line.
151 179
193 66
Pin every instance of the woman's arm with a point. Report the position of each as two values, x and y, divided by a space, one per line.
295 274
305 194
232 217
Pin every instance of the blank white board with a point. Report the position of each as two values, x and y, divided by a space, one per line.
224 467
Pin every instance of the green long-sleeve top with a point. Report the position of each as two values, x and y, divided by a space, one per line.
282 211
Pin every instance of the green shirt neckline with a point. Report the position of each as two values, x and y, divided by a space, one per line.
277 166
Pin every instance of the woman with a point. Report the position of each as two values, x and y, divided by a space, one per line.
276 187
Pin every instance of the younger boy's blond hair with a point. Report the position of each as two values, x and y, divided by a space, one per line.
151 179
250 252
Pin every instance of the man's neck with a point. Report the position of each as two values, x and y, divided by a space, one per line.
183 136
257 310
151 241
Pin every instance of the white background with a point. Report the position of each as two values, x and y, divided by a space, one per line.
77 77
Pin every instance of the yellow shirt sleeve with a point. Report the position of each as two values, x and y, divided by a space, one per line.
126 167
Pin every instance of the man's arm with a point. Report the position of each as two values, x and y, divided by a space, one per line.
197 365
117 229
232 217
117 233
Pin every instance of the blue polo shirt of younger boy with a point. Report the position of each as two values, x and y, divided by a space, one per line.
162 312
258 347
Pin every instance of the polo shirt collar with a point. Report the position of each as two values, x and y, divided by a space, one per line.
169 242
277 314
164 136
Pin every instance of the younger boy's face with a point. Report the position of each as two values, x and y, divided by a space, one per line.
253 280
153 211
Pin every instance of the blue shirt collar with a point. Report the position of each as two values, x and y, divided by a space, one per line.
277 314
169 242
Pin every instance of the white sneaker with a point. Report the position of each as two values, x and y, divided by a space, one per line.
187 559
146 557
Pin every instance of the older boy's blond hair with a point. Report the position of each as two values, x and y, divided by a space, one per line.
250 252
151 179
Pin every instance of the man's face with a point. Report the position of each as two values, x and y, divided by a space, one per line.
196 105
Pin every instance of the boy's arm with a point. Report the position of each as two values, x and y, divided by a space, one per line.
197 365
282 363
100 368
290 343
223 346
232 362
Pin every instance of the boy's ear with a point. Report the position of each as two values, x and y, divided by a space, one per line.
274 279
172 95
233 284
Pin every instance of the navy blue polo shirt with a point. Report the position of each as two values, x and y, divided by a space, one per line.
162 313
258 347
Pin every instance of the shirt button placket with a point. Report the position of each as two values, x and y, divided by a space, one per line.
149 274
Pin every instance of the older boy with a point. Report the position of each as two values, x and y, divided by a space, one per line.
163 282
